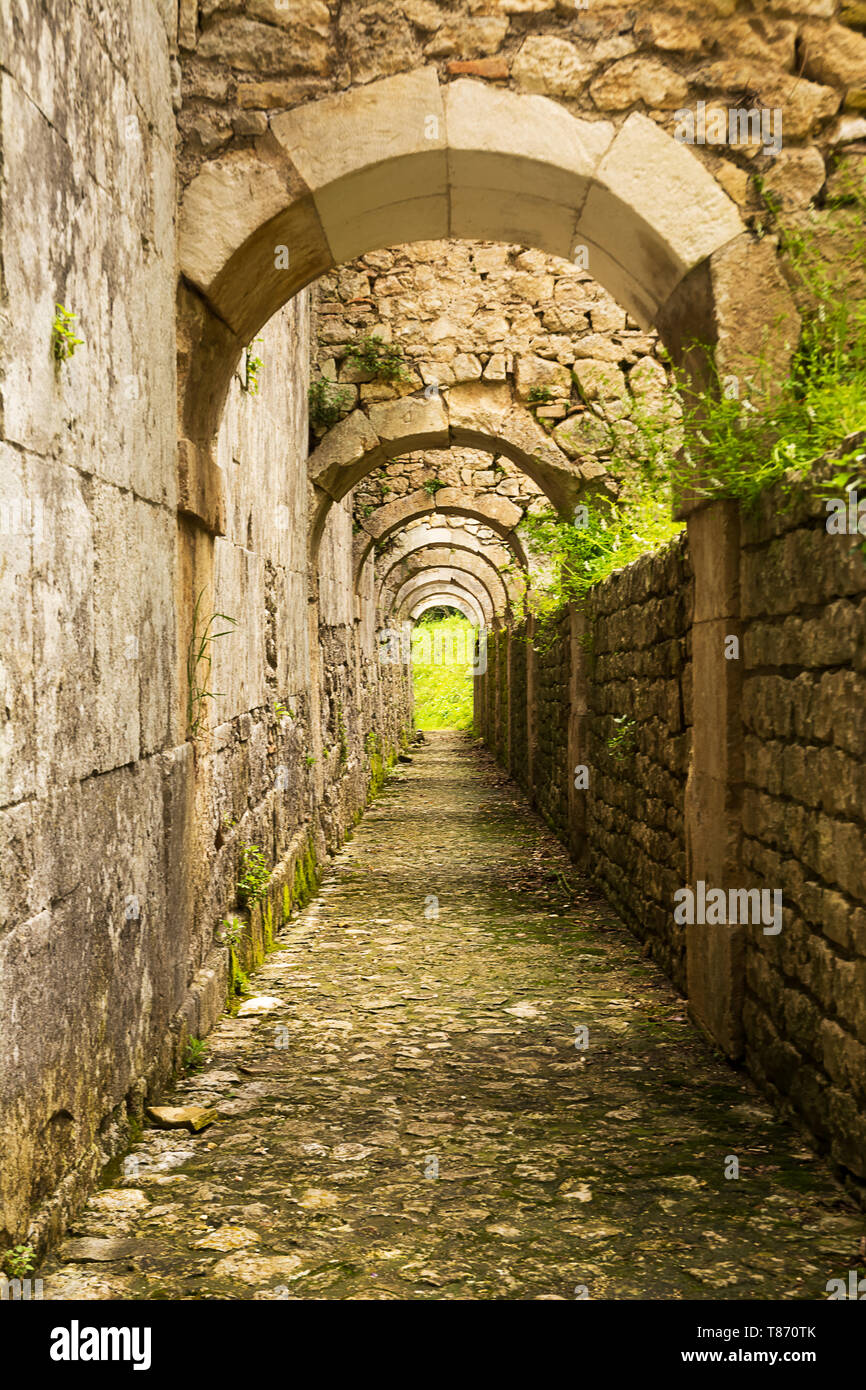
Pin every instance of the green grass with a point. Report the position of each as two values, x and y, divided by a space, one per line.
443 687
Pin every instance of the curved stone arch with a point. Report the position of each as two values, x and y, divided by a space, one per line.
451 557
465 604
451 585
439 560
439 538
479 417
500 514
405 159
435 578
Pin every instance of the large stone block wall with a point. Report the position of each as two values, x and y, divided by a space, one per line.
94 775
801 746
639 739
240 64
519 746
553 674
122 836
804 724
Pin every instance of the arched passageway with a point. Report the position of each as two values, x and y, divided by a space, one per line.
498 513
428 580
444 599
499 165
195 715
432 556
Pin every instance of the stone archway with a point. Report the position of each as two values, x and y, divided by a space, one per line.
442 590
478 416
501 515
419 545
408 158
429 581
463 604
504 593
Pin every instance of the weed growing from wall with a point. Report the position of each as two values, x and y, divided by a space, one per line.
383 360
196 1050
253 367
328 402
252 883
63 339
198 665
232 935
18 1261
622 741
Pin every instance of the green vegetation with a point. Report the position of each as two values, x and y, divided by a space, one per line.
383 360
443 686
19 1261
252 884
195 1054
268 925
253 366
433 485
328 402
63 339
733 436
232 936
305 879
622 741
613 533
198 664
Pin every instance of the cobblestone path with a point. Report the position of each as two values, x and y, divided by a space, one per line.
431 1131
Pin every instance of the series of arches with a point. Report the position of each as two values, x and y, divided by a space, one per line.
408 158
411 158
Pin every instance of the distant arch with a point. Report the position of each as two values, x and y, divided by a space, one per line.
500 514
435 581
447 540
471 415
464 603
442 558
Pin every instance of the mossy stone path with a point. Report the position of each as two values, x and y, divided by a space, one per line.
409 1116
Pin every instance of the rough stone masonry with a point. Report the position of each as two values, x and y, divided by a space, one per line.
191 692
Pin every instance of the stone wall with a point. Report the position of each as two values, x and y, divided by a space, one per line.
242 62
465 312
93 770
800 746
123 831
518 730
804 722
553 673
638 743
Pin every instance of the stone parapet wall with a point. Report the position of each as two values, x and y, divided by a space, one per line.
804 815
553 663
639 741
796 801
